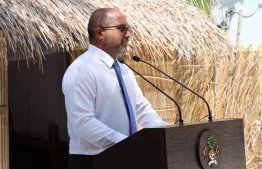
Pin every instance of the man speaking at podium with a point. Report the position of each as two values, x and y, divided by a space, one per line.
104 103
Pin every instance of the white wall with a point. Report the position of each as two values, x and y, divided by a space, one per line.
251 28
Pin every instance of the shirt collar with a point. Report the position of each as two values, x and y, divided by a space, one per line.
103 56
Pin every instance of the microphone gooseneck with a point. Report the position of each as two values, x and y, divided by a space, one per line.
121 60
136 58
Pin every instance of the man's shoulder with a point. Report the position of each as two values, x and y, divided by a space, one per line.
87 60
80 64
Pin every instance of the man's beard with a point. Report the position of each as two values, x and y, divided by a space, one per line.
116 52
122 50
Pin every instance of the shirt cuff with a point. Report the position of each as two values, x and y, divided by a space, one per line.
119 137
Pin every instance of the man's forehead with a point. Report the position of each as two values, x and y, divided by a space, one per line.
116 16
114 13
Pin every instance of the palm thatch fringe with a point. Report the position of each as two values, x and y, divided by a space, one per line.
160 26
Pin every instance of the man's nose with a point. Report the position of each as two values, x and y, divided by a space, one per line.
128 34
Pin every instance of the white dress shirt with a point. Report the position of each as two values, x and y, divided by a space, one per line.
97 116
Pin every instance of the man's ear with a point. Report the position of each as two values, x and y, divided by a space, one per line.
99 33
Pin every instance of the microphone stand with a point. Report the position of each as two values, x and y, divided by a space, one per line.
121 60
136 58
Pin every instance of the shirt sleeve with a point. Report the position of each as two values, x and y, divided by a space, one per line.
145 115
79 88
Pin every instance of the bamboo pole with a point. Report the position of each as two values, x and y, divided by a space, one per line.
1 144
4 128
1 71
6 76
215 83
239 27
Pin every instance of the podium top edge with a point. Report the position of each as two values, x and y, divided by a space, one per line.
201 122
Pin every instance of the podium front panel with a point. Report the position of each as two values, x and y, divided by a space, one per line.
182 144
142 150
178 147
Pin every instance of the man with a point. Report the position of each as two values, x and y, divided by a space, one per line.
100 103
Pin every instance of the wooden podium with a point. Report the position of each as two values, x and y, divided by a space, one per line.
179 147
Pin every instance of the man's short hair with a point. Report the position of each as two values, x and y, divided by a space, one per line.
98 18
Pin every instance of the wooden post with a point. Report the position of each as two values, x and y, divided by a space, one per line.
4 131
239 27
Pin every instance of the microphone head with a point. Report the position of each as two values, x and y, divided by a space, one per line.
121 60
136 58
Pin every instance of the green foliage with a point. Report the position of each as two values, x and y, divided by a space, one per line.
204 5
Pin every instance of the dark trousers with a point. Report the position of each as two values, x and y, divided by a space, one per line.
81 162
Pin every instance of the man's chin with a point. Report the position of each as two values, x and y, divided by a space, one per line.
122 50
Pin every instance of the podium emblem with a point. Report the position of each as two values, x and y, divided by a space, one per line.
212 154
210 150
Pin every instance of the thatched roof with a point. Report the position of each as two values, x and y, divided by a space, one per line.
160 26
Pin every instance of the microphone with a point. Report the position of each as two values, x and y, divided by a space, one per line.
136 58
121 60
